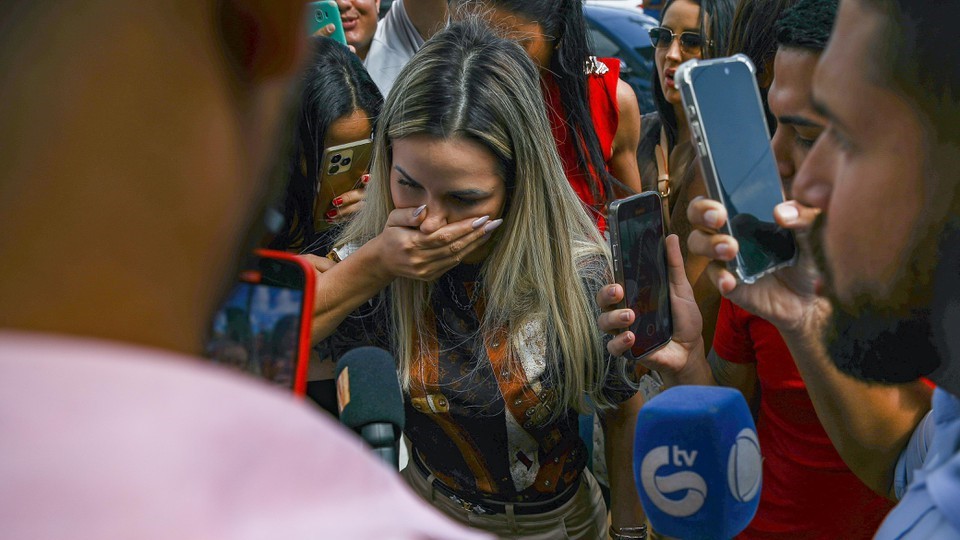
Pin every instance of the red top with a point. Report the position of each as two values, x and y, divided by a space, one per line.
605 113
808 492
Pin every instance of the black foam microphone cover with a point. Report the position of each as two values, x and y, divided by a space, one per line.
369 398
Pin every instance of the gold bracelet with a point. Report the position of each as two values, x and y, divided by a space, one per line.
628 533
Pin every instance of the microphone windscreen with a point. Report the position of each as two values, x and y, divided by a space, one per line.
697 462
368 390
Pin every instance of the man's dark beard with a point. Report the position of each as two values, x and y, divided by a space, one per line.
877 342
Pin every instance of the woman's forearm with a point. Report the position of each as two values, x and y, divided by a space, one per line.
619 425
345 287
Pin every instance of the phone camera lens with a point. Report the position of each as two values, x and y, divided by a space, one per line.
318 16
335 158
345 162
651 329
334 169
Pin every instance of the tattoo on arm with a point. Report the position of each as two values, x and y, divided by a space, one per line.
743 377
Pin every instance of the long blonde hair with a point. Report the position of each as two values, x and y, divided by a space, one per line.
548 259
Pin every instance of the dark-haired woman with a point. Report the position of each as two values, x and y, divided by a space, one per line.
688 29
594 115
339 105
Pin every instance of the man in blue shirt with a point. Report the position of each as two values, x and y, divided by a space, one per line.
881 188
890 243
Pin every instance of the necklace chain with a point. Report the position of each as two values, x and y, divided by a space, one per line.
454 294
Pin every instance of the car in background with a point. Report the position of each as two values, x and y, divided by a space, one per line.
623 33
630 4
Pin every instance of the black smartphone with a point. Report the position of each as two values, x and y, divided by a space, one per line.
639 249
729 128
263 328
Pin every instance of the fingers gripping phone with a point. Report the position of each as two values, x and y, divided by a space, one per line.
323 13
340 170
728 125
263 328
640 265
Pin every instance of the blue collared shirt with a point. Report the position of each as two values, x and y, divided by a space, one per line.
930 508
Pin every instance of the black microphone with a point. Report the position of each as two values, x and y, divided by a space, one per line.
369 399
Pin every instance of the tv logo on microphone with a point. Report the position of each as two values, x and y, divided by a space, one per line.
658 487
697 462
687 487
743 466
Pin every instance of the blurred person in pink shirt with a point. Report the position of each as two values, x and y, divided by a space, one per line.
136 139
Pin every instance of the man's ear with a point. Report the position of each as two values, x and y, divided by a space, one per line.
262 38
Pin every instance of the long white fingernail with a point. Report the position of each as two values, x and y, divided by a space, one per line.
418 211
480 221
492 226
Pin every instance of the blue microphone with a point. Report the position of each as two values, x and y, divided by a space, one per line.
696 462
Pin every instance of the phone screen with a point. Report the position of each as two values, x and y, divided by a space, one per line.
258 328
735 129
642 255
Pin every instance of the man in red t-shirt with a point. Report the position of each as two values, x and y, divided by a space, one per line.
808 491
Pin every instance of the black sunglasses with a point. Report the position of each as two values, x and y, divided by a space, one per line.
690 42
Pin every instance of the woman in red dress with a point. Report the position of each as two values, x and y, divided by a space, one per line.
594 115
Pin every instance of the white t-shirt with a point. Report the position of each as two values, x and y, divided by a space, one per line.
394 44
100 440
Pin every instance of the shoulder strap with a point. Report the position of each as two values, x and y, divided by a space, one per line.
662 152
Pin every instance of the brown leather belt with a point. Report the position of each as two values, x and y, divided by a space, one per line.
481 506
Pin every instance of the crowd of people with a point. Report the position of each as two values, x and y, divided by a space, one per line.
144 148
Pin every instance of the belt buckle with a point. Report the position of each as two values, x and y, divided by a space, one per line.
471 507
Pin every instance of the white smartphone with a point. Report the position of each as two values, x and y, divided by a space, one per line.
729 128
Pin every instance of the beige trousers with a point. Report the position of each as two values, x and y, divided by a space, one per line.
582 517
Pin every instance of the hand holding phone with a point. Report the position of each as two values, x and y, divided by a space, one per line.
682 359
320 14
639 264
342 170
263 328
730 133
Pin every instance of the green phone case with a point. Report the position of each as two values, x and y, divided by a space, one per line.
320 14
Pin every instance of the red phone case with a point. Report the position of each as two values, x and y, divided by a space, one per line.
306 317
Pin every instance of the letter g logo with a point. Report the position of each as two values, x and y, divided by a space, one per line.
656 486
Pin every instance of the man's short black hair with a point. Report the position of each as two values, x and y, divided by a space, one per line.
807 24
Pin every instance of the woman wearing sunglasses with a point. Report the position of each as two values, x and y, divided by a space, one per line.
667 159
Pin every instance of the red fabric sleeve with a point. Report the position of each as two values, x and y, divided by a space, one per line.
604 107
732 340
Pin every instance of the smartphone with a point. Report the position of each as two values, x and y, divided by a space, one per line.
340 170
323 13
640 264
729 128
263 328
